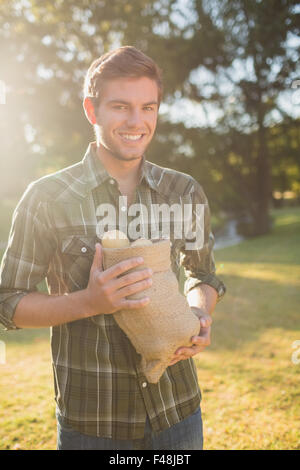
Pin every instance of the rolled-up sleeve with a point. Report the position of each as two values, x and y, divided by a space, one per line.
27 255
199 264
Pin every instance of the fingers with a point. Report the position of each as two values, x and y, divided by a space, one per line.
132 278
192 350
120 268
199 344
183 356
133 304
203 338
206 321
185 353
204 318
134 288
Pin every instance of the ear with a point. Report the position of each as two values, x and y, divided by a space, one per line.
89 110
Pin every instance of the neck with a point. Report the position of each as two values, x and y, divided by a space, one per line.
121 170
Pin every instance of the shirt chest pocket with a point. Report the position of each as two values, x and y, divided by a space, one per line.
77 255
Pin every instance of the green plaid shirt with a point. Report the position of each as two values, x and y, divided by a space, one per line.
99 387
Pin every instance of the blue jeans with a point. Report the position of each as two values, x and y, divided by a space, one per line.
185 435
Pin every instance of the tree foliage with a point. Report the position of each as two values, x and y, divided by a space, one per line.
232 60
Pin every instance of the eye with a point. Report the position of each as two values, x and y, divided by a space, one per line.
148 108
120 107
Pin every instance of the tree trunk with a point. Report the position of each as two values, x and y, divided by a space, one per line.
264 190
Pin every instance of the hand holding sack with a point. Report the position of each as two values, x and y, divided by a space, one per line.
166 322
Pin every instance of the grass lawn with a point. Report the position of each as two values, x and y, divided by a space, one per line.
249 383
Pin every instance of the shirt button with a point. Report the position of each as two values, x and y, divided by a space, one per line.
144 384
112 181
83 249
123 209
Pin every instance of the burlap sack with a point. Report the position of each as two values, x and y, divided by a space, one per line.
167 322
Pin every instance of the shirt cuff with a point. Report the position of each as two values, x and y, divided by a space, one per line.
209 279
9 302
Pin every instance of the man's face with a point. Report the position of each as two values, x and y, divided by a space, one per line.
126 117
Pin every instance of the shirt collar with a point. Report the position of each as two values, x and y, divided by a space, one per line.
96 174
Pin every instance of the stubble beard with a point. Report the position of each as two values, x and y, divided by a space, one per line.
113 151
119 156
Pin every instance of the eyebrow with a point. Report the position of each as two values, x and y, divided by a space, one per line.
127 102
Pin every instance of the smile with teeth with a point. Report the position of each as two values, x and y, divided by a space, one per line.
131 137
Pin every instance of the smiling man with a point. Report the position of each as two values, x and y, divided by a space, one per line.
124 119
103 400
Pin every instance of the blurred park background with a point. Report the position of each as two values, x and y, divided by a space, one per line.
230 117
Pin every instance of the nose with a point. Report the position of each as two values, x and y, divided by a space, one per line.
134 118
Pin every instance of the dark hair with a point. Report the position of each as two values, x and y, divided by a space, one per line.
126 61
